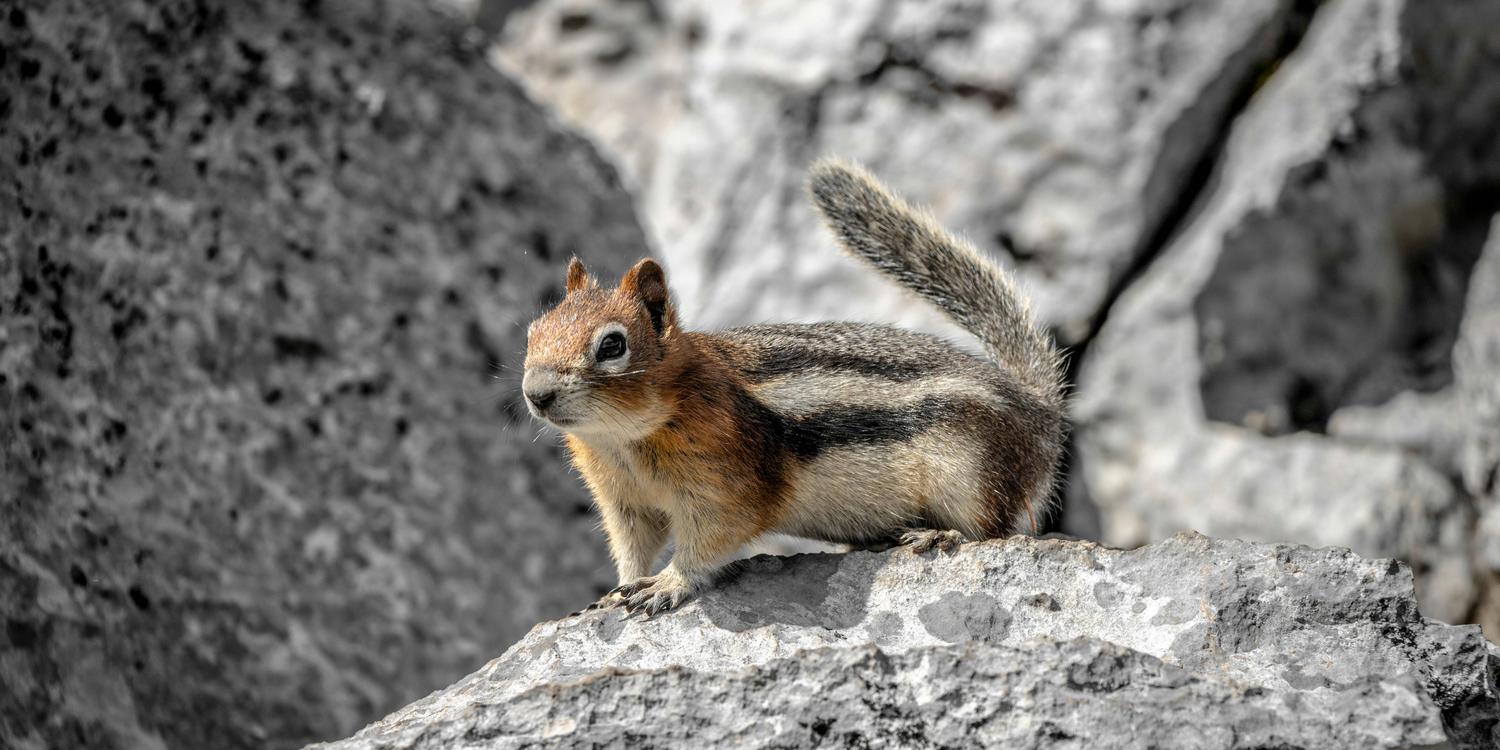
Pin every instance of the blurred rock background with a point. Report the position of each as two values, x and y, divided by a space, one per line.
264 270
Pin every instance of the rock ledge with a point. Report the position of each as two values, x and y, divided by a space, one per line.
1193 642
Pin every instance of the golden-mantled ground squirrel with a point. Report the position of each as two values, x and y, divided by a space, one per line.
842 432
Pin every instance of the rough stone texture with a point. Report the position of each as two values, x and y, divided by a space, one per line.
1190 643
1058 135
1324 268
259 263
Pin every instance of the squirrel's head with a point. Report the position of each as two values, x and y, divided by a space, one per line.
591 361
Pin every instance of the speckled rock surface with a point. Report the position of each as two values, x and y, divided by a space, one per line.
1189 643
259 263
1059 135
1324 270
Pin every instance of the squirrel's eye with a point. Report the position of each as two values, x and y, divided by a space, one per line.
611 346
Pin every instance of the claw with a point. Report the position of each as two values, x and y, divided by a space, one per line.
653 596
665 602
610 600
627 589
636 605
926 540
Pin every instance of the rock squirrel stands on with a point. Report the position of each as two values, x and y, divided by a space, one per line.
842 432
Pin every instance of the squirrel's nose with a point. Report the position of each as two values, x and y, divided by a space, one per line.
541 399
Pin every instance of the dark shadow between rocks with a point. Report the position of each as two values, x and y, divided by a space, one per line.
1303 314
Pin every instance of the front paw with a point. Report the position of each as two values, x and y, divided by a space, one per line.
650 595
615 597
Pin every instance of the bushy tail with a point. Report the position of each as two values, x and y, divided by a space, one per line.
908 245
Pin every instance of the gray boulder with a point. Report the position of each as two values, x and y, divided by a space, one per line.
260 265
1189 643
1323 270
1060 136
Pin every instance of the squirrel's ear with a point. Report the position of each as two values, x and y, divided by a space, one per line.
578 277
648 283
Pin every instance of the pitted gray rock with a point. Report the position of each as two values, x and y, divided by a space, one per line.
1198 643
